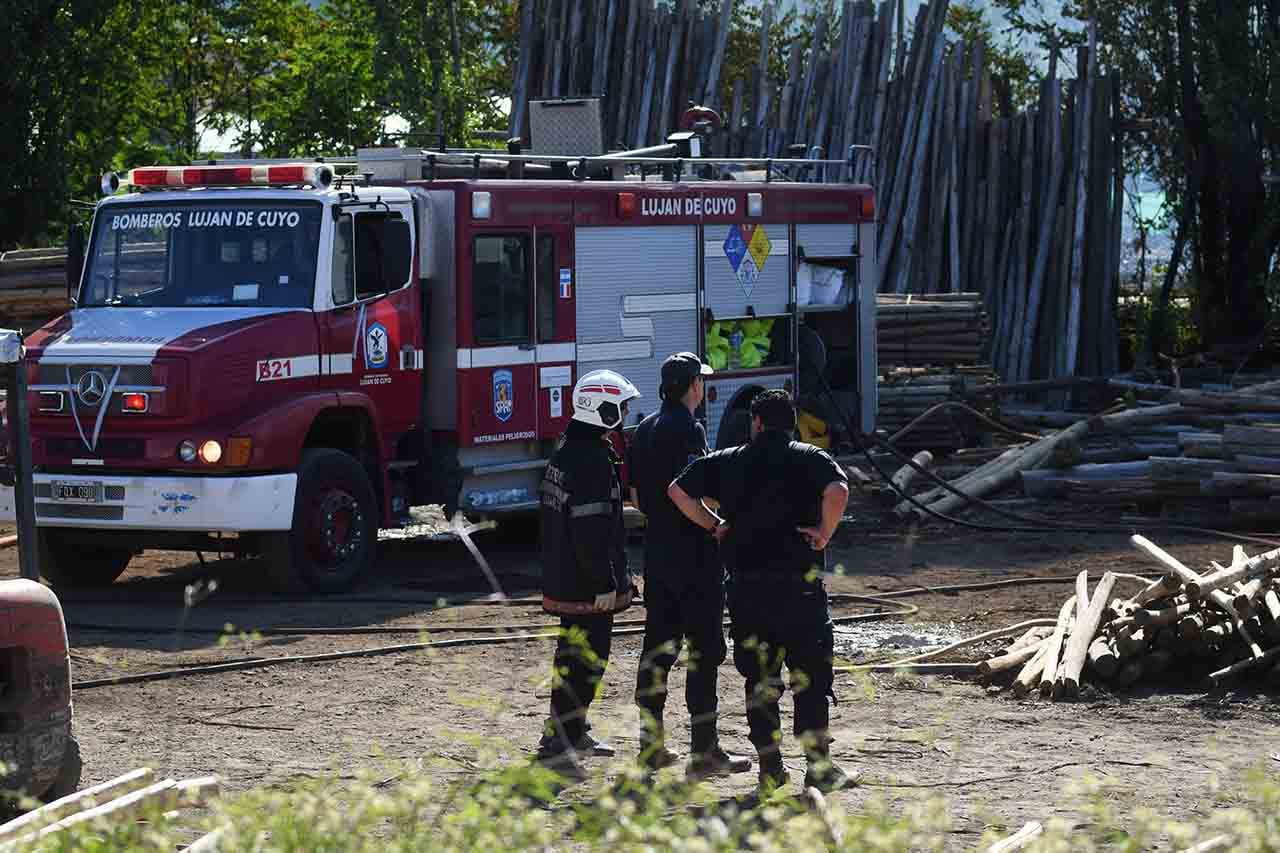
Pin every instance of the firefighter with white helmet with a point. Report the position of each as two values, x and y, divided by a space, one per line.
584 561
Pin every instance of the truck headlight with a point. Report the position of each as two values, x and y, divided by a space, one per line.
210 452
187 451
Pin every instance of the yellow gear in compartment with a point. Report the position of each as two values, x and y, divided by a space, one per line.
717 347
813 430
755 342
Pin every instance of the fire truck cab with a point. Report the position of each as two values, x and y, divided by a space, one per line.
284 358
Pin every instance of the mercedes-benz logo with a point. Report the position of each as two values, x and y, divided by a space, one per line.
91 388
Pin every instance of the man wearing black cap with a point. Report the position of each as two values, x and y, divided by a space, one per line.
684 580
779 504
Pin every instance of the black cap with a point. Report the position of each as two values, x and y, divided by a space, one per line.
680 369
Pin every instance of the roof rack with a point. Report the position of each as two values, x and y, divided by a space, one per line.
656 161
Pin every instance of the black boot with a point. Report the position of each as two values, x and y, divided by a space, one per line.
654 754
716 762
773 773
824 774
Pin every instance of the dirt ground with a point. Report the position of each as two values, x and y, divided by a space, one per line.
996 760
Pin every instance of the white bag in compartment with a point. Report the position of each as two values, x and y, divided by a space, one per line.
824 284
804 283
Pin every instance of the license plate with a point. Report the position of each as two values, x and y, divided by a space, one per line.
77 493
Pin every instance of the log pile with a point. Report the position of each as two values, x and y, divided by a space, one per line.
1202 457
932 330
1213 626
124 798
1024 208
33 287
906 395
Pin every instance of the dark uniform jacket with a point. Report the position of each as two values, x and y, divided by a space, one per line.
665 444
766 490
583 542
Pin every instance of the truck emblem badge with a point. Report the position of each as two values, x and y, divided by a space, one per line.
747 247
376 347
91 388
503 402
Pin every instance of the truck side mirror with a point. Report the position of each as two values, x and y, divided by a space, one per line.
75 259
397 253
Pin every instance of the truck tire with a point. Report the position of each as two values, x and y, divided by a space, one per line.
335 527
68 781
72 565
735 429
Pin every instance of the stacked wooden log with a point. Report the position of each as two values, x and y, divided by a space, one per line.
905 395
938 329
1215 625
124 798
972 196
1202 457
33 287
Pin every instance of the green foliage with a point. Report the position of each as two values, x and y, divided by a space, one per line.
522 807
967 22
1174 325
92 85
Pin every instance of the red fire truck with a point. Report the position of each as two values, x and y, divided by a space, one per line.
283 358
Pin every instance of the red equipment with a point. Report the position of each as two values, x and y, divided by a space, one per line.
36 742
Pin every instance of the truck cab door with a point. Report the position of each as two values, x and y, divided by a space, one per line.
556 348
497 372
370 336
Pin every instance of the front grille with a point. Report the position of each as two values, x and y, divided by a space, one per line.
94 512
130 374
113 448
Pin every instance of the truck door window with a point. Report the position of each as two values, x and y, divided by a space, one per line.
368 255
344 271
547 284
500 289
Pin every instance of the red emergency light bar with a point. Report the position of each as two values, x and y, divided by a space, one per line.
231 176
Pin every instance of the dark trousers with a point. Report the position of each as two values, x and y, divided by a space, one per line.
582 652
777 621
694 611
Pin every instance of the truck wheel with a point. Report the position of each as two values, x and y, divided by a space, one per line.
335 527
735 429
71 565
68 780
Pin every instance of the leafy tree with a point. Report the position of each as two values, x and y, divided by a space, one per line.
323 95
70 108
1200 83
1011 66
443 62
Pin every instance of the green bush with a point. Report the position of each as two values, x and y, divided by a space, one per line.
523 808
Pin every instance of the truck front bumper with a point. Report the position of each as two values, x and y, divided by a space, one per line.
194 504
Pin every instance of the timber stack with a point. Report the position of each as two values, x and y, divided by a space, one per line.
973 195
931 330
932 408
137 795
1192 456
33 287
1216 625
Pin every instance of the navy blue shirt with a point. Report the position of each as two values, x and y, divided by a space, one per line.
664 445
766 489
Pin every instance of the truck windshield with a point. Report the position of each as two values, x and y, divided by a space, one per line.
207 253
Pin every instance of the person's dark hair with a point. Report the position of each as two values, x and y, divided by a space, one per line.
775 410
674 391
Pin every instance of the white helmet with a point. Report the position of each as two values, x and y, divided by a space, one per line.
599 396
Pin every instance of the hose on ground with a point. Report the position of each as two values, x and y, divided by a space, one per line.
630 627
